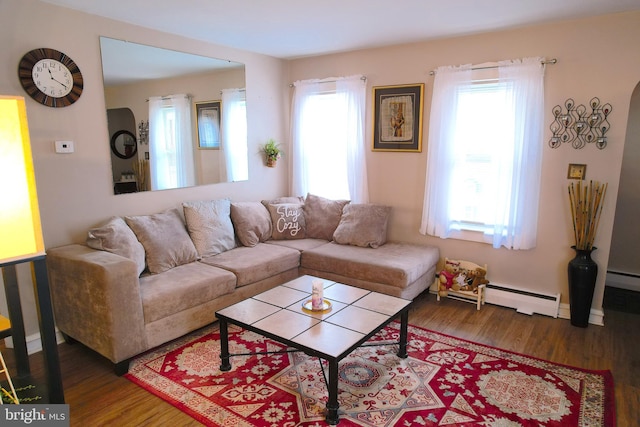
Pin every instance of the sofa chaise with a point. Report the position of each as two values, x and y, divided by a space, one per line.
141 281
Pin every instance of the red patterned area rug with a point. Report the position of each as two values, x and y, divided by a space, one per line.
444 381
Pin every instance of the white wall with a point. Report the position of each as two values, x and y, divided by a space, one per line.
75 190
596 57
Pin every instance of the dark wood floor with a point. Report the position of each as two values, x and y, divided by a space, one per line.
97 397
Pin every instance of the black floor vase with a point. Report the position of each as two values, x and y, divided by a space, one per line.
583 272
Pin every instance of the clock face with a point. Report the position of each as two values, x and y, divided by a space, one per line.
50 77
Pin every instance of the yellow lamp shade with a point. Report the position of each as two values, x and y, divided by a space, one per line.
20 229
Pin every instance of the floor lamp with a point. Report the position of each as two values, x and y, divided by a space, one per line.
21 241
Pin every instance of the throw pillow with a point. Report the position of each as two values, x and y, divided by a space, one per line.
251 221
165 240
363 225
116 237
209 225
284 199
322 216
287 221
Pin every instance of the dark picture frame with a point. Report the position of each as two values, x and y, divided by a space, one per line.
208 114
397 117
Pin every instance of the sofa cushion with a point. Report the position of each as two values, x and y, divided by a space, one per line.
322 216
251 221
209 225
298 244
287 221
116 237
395 264
165 239
363 225
181 288
252 264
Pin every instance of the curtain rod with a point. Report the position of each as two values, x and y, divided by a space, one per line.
165 97
363 78
550 61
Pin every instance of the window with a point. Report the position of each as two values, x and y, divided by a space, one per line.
171 148
484 155
482 146
234 164
321 118
328 139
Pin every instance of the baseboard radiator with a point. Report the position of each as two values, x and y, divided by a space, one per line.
526 302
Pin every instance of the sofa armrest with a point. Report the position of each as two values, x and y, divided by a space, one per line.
96 299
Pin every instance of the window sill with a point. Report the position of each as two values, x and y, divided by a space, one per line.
471 236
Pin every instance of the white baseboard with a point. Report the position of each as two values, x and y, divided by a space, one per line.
34 344
596 317
623 281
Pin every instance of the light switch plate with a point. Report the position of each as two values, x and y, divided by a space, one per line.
64 147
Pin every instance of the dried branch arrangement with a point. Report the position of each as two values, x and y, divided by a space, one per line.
586 208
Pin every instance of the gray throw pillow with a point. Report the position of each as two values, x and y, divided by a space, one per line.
284 199
363 225
116 237
287 221
209 225
322 216
165 240
251 221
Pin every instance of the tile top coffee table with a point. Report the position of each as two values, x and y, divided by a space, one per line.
355 316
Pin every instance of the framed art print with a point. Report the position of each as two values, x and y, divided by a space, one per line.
397 117
576 171
208 124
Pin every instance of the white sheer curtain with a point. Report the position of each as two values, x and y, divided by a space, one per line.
436 219
171 157
328 147
233 145
514 225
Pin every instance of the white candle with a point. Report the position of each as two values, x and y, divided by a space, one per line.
316 295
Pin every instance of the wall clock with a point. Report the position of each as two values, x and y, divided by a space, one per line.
50 77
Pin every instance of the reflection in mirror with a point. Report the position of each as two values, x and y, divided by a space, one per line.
124 144
162 88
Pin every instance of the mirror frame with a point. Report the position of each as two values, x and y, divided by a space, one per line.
120 138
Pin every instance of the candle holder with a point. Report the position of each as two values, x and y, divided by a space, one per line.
575 125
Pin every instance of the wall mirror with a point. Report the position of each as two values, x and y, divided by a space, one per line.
134 75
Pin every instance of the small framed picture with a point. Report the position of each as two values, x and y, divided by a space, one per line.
576 171
397 117
208 124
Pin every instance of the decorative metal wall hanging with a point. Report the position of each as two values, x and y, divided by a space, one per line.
143 131
577 126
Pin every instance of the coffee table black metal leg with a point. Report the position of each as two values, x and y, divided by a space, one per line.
404 322
333 405
225 364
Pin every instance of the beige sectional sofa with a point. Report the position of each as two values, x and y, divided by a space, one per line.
141 281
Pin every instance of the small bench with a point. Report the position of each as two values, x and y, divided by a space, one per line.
476 296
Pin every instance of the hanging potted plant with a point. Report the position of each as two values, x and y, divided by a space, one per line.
586 208
272 152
